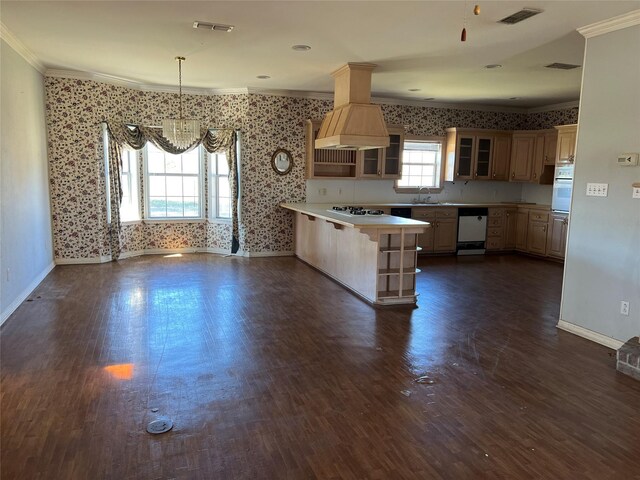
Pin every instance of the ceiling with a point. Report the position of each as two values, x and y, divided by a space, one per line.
416 45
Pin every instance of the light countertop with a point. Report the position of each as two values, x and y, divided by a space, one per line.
320 210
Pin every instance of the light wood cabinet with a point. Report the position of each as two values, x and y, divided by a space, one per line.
374 163
543 169
442 237
511 228
550 146
537 233
384 162
522 225
324 163
566 146
557 244
522 150
501 157
471 155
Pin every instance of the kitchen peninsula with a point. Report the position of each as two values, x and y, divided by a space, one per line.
375 256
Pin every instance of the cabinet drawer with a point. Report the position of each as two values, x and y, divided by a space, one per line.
422 213
495 243
495 232
538 217
495 221
496 212
442 213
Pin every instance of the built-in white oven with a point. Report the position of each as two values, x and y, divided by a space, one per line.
562 187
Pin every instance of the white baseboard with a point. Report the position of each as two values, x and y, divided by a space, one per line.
590 335
26 292
267 254
82 261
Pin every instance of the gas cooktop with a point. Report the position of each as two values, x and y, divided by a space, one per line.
350 211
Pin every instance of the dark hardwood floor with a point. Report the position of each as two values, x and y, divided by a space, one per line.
270 370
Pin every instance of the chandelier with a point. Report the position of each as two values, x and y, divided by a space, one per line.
181 132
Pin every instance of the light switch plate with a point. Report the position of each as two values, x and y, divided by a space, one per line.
597 189
636 192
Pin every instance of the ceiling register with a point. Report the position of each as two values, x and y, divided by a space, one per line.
181 132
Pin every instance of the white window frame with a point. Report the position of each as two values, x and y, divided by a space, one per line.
213 190
147 175
132 181
439 175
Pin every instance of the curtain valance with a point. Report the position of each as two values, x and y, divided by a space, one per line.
136 136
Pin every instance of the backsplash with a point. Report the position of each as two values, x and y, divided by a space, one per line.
75 109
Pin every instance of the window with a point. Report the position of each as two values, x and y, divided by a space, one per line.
173 183
219 186
421 164
129 207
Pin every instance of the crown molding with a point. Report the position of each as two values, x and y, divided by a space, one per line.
611 25
21 49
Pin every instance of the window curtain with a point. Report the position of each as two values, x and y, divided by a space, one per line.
136 136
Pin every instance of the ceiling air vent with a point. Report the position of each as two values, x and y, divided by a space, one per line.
562 66
520 16
219 27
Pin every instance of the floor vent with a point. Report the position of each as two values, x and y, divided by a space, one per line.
562 66
520 16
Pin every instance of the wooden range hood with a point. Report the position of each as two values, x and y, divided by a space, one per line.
354 123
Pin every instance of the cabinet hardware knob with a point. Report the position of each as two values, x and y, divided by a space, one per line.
535 175
494 174
513 174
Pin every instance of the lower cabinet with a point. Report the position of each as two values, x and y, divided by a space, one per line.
537 233
511 219
557 240
522 225
501 229
442 237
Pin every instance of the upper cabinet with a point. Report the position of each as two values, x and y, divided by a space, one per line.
384 162
566 147
473 154
532 156
374 163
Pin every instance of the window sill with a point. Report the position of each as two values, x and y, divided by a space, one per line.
130 222
419 191
223 221
174 220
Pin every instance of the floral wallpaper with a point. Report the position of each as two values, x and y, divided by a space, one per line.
76 108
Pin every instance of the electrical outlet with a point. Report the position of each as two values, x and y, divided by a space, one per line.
636 192
322 191
597 189
624 308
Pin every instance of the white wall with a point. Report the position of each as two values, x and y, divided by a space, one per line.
26 252
363 191
603 258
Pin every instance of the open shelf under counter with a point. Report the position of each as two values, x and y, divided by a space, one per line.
397 271
393 294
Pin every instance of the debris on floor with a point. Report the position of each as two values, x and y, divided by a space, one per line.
160 425
406 393
426 379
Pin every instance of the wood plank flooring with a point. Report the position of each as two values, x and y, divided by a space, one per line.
269 370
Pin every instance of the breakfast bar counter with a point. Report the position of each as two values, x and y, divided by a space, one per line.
375 256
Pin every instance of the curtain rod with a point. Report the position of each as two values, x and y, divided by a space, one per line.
158 126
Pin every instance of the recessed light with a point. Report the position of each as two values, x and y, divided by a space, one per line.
414 89
301 48
493 65
263 77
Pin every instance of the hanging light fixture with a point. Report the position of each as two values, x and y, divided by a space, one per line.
181 132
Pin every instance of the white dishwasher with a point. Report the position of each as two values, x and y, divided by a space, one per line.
472 230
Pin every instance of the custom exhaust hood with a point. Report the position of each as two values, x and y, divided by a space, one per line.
354 123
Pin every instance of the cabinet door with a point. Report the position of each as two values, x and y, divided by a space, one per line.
465 151
484 151
566 146
550 147
510 229
445 236
537 237
522 149
392 157
557 235
425 240
501 157
522 224
370 163
538 159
